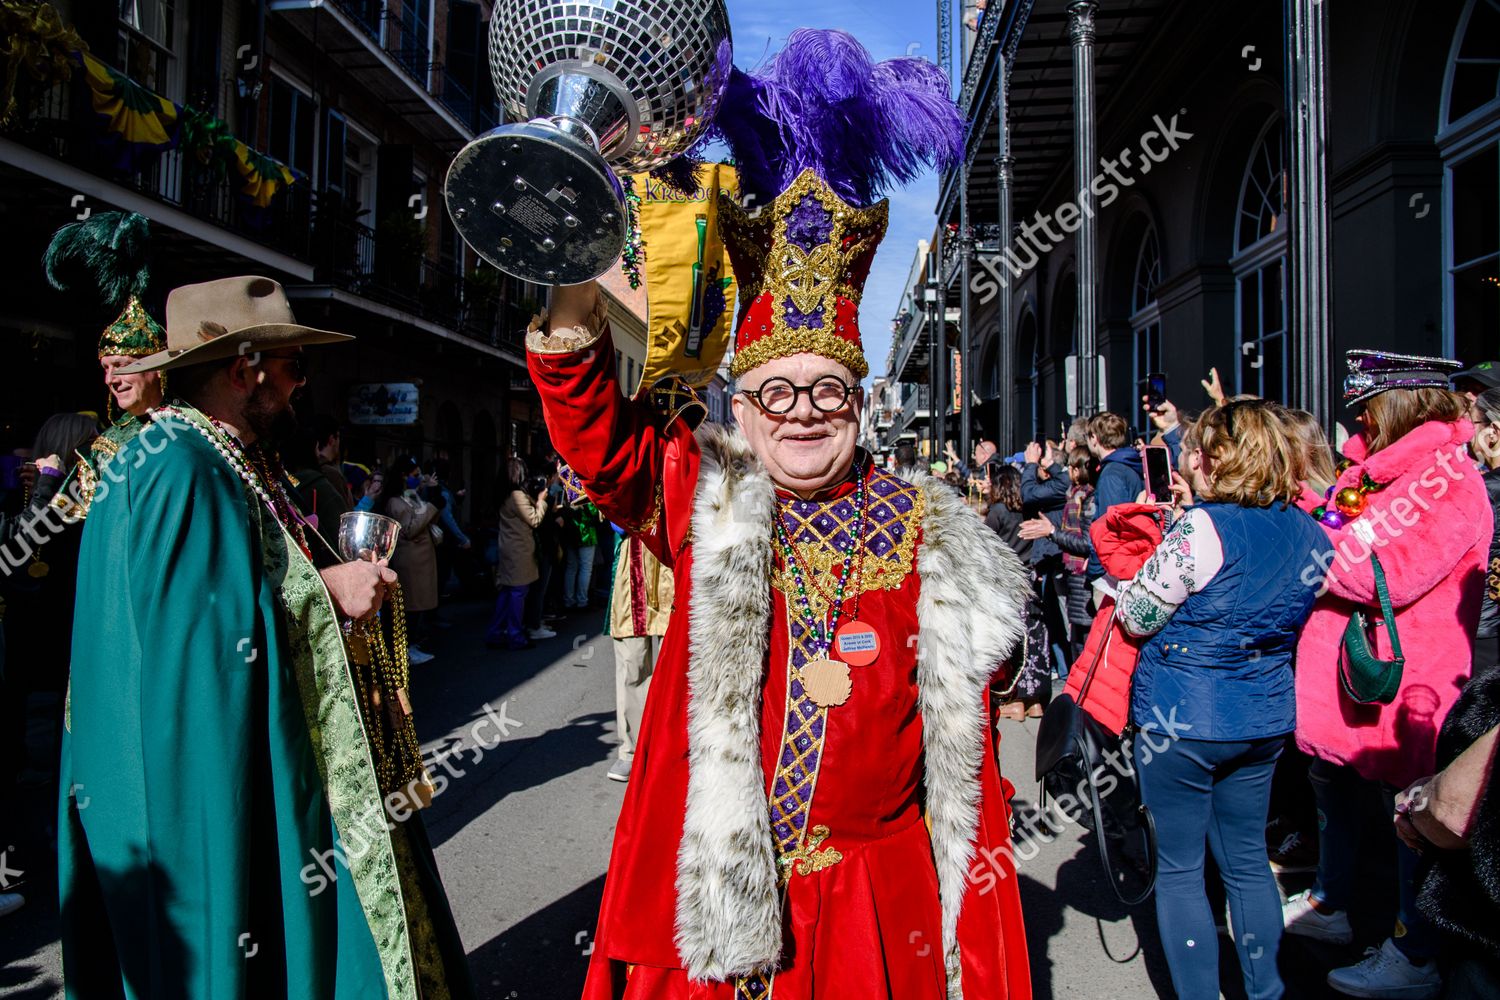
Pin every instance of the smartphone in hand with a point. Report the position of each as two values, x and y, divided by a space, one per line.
1156 390
1156 461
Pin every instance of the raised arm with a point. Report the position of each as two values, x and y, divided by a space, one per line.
631 460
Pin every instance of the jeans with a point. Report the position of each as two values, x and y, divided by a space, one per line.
505 623
578 569
1342 796
1197 790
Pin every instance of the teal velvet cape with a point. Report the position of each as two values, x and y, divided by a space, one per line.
221 829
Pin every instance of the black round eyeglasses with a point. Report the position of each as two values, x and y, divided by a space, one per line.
778 395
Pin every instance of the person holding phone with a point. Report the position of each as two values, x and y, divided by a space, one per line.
1119 479
1222 599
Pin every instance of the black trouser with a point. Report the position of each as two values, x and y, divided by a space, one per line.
536 596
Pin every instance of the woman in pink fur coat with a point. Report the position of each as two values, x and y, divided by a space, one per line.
1429 522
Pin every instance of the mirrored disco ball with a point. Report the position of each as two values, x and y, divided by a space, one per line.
622 84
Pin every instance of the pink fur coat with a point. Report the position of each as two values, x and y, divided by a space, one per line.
1430 524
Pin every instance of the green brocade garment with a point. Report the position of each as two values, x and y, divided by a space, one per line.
114 437
221 828
108 444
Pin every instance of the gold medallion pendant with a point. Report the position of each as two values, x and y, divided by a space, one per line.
38 569
827 682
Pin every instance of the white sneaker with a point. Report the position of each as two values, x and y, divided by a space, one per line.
416 657
619 770
542 633
10 902
1386 972
1299 917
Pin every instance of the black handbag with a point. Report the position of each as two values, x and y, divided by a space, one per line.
1072 751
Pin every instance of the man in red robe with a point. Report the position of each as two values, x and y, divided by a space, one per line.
814 807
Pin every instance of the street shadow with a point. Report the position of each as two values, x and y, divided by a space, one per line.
545 956
1125 934
509 766
466 673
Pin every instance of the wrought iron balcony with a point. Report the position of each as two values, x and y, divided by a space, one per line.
300 223
388 266
61 127
396 34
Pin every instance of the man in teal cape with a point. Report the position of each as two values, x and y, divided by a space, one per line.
216 758
106 256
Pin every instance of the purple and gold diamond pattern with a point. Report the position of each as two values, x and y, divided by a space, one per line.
821 529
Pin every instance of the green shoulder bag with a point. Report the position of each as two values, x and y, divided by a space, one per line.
1367 678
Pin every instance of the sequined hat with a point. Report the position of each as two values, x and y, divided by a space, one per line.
107 254
1374 372
817 136
133 334
802 265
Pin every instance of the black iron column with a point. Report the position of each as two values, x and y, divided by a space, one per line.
965 338
1085 162
940 341
1308 227
1005 168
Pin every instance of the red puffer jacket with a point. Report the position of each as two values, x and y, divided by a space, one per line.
1124 539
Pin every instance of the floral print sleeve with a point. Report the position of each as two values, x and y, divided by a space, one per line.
1183 564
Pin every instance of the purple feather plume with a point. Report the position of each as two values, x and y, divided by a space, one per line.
823 103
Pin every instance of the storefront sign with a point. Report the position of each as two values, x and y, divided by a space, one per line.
383 403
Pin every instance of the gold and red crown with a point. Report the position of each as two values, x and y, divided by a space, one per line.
801 263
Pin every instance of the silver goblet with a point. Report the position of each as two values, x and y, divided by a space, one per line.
367 536
588 86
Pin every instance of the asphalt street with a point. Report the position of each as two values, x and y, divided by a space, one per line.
523 828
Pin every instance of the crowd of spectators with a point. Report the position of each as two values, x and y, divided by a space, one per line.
1280 563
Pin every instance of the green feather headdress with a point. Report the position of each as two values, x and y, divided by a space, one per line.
108 253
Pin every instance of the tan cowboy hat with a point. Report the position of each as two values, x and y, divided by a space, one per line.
219 319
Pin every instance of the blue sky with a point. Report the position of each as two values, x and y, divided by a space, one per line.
888 28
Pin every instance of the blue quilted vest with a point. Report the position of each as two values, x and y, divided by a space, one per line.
1221 669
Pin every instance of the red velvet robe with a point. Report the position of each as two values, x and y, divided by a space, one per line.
869 925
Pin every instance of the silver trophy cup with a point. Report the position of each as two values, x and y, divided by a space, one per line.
591 86
367 537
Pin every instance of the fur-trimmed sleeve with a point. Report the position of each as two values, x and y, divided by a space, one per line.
627 456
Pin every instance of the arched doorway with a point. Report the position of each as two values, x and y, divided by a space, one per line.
1027 419
987 380
449 452
1062 343
1259 264
1469 141
1145 315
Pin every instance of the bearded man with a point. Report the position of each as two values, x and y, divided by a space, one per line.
216 756
814 803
